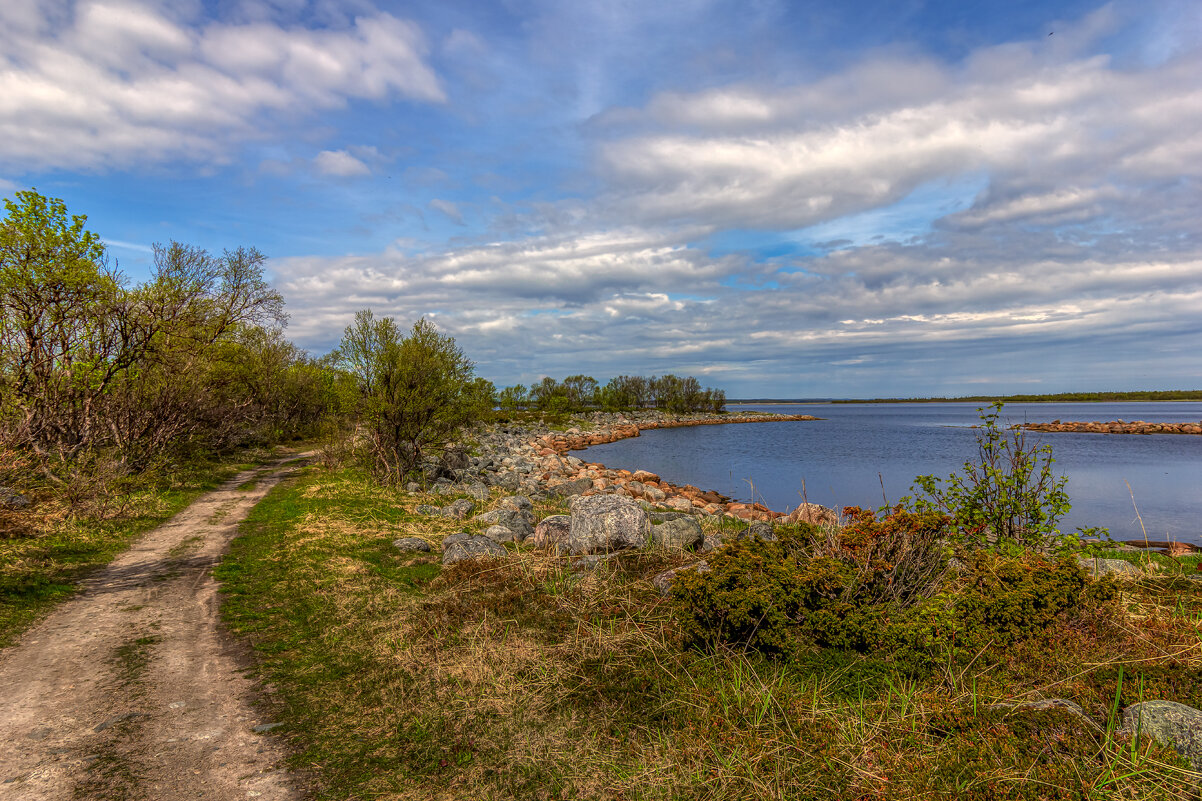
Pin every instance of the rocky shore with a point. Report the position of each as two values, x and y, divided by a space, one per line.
1113 427
538 462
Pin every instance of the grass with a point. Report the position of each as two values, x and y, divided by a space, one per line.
40 570
520 679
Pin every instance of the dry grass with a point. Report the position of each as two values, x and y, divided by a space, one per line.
520 678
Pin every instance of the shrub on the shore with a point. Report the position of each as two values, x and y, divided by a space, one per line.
1008 495
879 585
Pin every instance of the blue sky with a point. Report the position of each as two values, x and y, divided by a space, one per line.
877 198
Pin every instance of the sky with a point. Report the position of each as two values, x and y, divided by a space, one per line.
869 198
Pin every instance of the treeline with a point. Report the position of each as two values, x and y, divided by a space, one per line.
1062 397
101 379
578 393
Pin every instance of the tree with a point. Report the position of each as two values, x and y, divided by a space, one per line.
93 371
417 391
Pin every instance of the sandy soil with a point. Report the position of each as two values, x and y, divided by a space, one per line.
130 690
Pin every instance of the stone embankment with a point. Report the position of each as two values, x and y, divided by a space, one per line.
1114 427
537 462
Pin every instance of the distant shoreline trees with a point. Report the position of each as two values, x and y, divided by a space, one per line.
579 393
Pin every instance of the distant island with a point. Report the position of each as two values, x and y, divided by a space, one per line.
1060 397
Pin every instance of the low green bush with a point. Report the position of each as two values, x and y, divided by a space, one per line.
879 585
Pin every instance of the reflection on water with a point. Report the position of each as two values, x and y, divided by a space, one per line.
867 454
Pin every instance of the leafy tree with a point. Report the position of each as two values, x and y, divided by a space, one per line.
417 391
514 398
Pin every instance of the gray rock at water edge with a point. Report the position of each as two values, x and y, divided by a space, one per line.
1118 568
606 523
520 522
569 488
663 582
411 544
1170 723
459 509
500 534
551 533
458 547
681 534
428 510
654 494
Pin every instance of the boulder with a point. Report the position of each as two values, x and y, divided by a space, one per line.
500 534
517 503
606 523
1176 725
1119 568
458 547
519 522
655 494
663 582
682 534
427 509
569 488
644 476
411 544
814 514
459 509
477 491
551 533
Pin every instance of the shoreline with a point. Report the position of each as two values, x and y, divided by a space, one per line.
647 486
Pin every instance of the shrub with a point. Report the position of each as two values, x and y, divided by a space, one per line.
1009 599
1009 494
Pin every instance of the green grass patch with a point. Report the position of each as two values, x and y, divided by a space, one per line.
44 568
521 679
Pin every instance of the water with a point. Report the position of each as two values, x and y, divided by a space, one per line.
865 454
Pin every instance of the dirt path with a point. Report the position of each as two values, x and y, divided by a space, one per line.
129 690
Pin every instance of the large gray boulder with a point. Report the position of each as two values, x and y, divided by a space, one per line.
458 547
681 534
519 522
1170 723
551 533
606 523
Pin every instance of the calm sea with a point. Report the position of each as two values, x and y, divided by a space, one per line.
865 454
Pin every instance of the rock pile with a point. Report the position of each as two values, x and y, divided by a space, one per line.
1114 427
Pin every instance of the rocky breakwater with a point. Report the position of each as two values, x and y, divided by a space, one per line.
539 463
1113 427
565 473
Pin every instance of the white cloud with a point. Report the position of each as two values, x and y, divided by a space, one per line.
339 163
790 158
109 84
